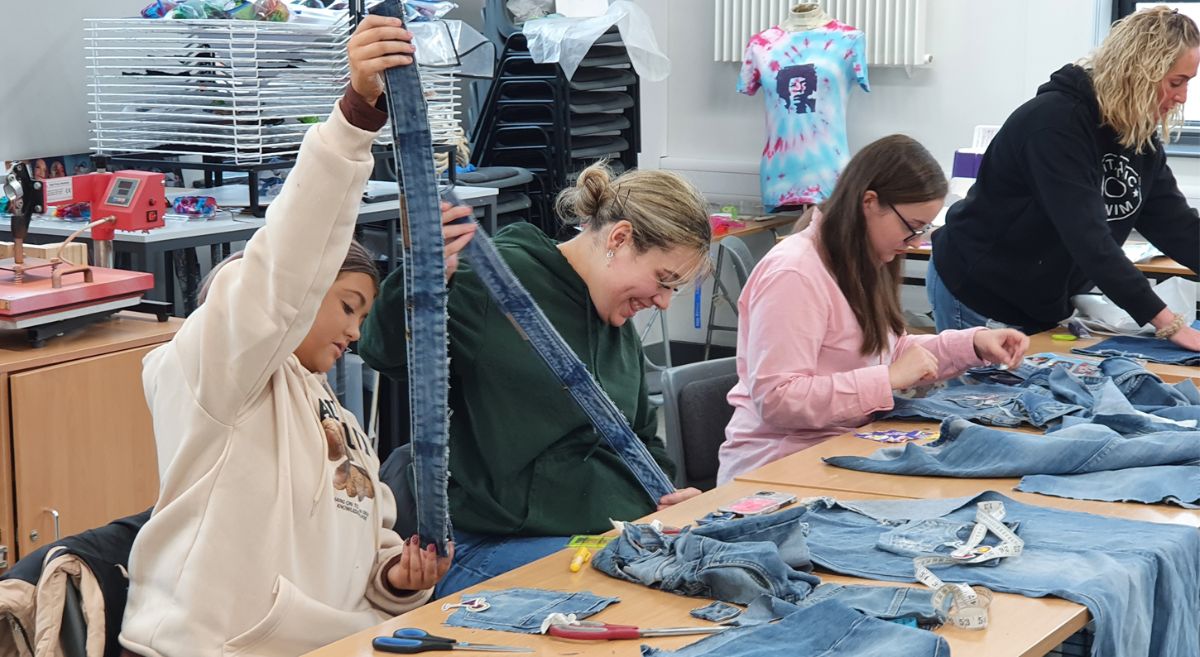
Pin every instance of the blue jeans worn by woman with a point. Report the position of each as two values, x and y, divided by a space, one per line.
479 557
949 312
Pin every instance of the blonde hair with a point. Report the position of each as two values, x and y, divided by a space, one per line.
1128 68
665 210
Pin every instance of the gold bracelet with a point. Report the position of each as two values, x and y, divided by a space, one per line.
1170 329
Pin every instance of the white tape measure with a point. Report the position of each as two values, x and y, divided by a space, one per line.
968 609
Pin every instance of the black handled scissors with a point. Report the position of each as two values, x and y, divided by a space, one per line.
412 640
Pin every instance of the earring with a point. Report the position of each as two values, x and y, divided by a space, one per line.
610 254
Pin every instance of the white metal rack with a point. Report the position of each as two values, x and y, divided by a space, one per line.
243 92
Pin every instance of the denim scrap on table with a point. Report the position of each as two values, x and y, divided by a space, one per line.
523 610
740 560
971 451
717 612
995 404
1140 581
1044 396
825 629
1155 350
1167 484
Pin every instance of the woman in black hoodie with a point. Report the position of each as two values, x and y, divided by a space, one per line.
1066 179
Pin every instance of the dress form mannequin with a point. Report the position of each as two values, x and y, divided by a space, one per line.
805 16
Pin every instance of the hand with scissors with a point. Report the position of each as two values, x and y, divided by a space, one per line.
412 640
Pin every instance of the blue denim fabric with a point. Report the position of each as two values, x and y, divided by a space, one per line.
523 610
827 629
733 561
968 450
1171 484
949 312
717 612
425 295
1139 580
1154 350
990 403
480 557
742 560
514 300
897 604
1137 387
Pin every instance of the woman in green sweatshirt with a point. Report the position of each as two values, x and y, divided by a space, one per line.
526 467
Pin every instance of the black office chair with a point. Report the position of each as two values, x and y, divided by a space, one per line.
696 414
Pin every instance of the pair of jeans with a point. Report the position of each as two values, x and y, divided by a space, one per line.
743 560
948 311
1139 388
523 610
990 403
1169 484
970 451
1154 350
480 557
826 629
1140 581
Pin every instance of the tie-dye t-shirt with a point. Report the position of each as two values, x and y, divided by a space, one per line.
806 77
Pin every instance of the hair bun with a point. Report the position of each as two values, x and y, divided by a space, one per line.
593 197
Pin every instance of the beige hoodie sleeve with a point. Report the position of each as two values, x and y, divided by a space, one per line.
260 308
391 546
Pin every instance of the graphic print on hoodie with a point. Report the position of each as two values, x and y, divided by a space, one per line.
344 443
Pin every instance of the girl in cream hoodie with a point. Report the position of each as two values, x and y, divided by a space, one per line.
272 534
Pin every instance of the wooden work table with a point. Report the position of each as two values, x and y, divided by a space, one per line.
1020 626
75 432
1158 267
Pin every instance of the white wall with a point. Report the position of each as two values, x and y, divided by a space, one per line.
989 56
44 108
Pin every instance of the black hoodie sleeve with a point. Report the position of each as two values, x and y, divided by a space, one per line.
1169 222
1063 165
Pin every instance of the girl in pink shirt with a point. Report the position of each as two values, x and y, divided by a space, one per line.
821 341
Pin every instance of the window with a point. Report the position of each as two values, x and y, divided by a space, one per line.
1188 142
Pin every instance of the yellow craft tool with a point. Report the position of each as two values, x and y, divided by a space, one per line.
582 556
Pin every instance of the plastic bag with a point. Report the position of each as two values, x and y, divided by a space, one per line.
524 10
453 44
1099 314
567 40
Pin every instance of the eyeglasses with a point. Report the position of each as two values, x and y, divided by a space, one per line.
915 232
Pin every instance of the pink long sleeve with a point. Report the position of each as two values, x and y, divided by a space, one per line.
789 379
801 376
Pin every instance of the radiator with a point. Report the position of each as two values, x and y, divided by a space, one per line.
895 29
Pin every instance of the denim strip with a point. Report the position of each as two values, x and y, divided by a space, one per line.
425 294
1154 350
610 423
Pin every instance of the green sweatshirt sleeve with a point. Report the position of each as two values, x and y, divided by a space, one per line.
383 343
384 334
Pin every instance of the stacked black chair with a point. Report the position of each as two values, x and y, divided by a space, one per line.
535 118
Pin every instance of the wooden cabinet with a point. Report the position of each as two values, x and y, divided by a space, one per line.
75 433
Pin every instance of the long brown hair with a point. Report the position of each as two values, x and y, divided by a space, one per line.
899 170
